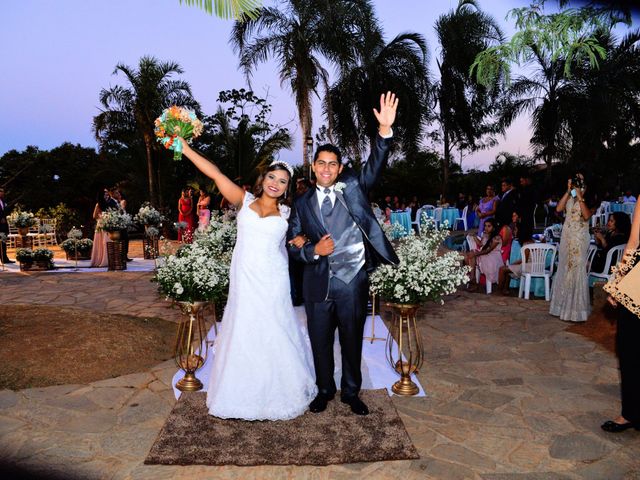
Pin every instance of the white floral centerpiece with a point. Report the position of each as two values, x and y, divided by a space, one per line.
22 219
147 215
422 273
114 220
200 271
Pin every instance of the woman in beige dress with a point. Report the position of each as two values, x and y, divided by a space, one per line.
100 237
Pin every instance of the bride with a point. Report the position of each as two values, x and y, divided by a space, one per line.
262 369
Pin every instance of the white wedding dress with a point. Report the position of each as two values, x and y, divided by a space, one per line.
263 367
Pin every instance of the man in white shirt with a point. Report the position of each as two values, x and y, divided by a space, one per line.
628 197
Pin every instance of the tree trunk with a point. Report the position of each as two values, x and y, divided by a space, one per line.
446 162
150 171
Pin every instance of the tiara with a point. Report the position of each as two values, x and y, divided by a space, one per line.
283 164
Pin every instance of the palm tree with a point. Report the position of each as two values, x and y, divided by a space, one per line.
466 107
128 112
228 8
298 36
399 66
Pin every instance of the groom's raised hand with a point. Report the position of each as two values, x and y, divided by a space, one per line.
387 114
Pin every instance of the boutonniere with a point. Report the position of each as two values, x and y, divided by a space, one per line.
339 186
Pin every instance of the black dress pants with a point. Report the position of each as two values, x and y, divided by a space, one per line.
628 349
346 310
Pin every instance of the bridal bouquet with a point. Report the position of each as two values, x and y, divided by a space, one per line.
177 122
422 274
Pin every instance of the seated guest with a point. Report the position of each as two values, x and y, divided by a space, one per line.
628 197
616 233
506 235
507 272
485 253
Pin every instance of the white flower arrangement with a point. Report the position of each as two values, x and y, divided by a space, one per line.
22 219
339 186
147 215
112 220
74 233
422 273
152 232
200 271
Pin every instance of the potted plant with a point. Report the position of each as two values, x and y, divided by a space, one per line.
423 274
113 222
148 216
83 246
23 221
25 257
43 258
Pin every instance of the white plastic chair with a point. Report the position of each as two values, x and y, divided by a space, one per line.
535 257
613 257
596 218
590 255
437 216
416 222
49 225
606 211
462 218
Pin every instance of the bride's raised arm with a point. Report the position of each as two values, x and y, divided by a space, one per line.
229 190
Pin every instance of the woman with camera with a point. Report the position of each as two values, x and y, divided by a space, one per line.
570 290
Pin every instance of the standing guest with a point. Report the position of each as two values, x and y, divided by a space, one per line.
508 202
570 290
185 214
472 218
4 226
204 213
627 341
486 208
526 207
99 256
629 197
117 202
616 233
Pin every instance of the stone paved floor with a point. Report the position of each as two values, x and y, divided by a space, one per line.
511 396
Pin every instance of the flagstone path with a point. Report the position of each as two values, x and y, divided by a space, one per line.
511 395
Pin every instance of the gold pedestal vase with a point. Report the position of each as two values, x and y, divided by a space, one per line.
408 355
191 345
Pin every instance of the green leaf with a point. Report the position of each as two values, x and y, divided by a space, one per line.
229 9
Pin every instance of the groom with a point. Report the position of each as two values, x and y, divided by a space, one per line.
345 242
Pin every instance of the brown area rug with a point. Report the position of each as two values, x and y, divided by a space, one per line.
193 437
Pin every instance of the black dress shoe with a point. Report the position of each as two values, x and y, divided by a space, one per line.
319 404
357 406
8 261
613 427
129 259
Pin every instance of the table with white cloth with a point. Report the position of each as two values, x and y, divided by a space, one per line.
403 218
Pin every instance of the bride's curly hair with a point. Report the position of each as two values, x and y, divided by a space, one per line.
257 187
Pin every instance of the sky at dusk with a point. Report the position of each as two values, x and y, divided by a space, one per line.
58 55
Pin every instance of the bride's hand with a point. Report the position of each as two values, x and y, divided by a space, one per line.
298 241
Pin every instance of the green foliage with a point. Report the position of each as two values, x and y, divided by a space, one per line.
66 218
228 9
568 36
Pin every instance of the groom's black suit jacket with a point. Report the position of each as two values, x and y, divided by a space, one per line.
4 226
306 219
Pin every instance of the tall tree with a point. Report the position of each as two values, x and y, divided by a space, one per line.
399 66
240 137
128 112
298 35
466 108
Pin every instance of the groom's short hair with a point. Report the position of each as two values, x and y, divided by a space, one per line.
327 147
